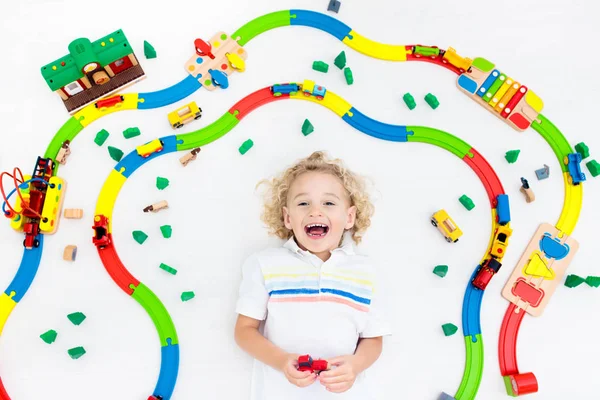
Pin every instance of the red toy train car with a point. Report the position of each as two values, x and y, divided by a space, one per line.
486 273
306 363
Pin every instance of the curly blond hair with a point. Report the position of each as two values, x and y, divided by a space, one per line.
275 198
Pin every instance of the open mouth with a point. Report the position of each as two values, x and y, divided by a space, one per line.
316 230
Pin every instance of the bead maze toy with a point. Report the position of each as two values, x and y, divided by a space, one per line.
39 196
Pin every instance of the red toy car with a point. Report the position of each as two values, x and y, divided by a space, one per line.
100 239
203 48
31 229
110 101
306 363
486 273
155 398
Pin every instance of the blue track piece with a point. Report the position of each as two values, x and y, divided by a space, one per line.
169 95
26 272
320 21
488 82
467 84
132 161
393 133
169 367
472 309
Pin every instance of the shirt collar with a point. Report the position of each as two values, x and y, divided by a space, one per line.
346 247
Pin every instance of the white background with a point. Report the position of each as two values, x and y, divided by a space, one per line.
214 210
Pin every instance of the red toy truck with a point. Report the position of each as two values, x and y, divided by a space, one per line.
485 273
306 363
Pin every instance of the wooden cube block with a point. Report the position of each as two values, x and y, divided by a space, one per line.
73 213
70 253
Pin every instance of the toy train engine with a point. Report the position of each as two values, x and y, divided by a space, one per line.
309 88
285 88
486 272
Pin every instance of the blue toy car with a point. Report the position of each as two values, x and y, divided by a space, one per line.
573 163
219 78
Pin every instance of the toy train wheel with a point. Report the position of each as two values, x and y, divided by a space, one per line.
36 243
524 383
448 240
566 160
456 241
433 222
198 116
570 179
277 94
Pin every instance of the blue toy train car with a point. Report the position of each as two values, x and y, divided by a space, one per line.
573 163
285 88
503 209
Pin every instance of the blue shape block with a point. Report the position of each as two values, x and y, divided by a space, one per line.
445 396
503 209
542 173
27 270
472 309
132 161
488 82
320 21
467 84
169 367
170 95
393 133
553 248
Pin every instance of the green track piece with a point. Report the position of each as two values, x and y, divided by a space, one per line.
432 101
115 154
261 24
594 167
76 352
149 51
170 270
185 296
68 131
512 155
76 318
340 60
161 183
409 100
593 281
554 137
307 128
473 369
208 134
49 336
159 314
101 137
573 281
139 236
582 149
166 231
131 132
439 138
441 270
449 329
348 75
320 66
247 145
467 202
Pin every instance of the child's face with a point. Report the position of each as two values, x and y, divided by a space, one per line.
318 211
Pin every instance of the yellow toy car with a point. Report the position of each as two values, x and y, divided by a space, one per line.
154 146
462 63
500 241
185 114
446 226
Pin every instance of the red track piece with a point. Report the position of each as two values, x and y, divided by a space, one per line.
115 268
254 100
486 174
437 61
3 394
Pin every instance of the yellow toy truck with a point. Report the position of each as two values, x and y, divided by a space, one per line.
446 226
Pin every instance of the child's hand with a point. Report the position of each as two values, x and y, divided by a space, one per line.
295 377
342 377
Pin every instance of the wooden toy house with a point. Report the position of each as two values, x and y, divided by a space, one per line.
93 70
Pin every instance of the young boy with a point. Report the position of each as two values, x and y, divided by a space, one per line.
315 294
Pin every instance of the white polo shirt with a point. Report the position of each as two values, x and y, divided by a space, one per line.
310 307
